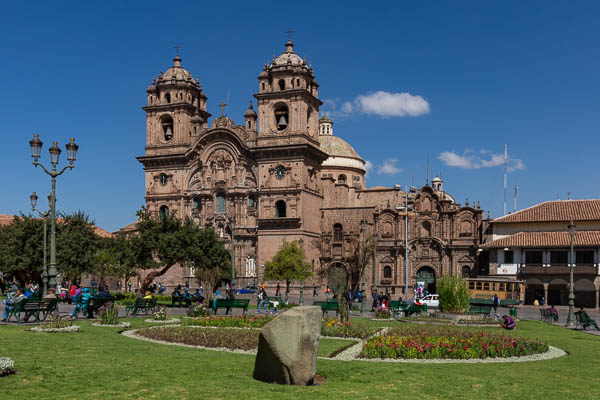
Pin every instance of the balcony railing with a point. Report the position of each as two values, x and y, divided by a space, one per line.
558 269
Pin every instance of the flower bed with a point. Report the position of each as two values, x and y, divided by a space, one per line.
7 366
118 325
448 343
232 339
336 328
66 329
383 313
243 321
164 321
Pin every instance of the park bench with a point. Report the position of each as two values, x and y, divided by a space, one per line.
97 303
229 304
39 307
548 316
584 321
414 309
140 304
473 309
15 311
329 305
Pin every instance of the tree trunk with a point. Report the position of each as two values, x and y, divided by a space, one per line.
344 308
147 281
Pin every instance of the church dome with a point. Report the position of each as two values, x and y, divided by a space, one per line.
289 56
341 154
177 72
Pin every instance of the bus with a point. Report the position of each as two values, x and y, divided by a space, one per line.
509 291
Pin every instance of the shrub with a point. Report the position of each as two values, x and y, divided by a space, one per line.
383 313
160 315
109 314
7 366
445 342
335 327
454 294
198 311
56 323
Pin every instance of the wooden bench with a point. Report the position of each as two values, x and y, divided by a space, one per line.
548 316
414 309
480 310
329 305
44 307
229 304
584 321
140 304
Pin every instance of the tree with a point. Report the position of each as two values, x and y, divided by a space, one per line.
158 244
76 246
354 266
210 260
454 294
288 265
21 244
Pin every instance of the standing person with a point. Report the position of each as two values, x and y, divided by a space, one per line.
315 294
119 286
375 300
276 290
93 283
129 286
262 300
495 303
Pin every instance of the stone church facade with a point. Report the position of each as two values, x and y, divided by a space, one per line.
283 175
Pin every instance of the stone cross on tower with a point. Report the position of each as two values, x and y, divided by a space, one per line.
289 32
177 47
222 105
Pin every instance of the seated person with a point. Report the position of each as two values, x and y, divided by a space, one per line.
102 294
82 304
187 297
51 294
176 297
508 322
12 302
148 295
198 298
554 313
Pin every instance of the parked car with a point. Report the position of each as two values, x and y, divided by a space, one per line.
432 300
247 289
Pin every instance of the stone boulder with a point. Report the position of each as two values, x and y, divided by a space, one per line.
288 346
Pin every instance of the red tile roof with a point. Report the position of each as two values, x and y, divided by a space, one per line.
546 239
6 219
558 210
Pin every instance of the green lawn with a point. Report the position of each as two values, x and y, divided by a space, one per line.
100 363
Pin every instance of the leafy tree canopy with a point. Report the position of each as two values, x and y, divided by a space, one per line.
288 265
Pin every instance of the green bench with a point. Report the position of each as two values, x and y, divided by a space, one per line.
140 304
547 316
229 304
478 309
329 305
414 309
584 321
33 307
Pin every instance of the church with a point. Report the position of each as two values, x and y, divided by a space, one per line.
283 175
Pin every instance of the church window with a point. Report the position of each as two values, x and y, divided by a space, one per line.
163 179
167 127
251 201
281 84
263 86
281 117
466 271
342 178
298 82
337 233
426 229
164 211
387 272
221 204
168 97
197 204
280 209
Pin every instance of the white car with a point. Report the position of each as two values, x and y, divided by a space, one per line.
432 300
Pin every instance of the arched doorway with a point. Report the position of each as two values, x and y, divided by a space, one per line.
426 276
585 293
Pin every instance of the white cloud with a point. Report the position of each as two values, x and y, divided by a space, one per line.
389 167
381 103
368 167
386 104
474 160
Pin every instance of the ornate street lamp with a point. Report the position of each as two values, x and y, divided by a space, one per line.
33 199
363 284
36 151
571 316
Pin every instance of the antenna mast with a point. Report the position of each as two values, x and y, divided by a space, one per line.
515 199
505 162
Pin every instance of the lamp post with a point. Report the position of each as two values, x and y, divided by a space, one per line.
33 199
363 284
571 315
36 149
301 300
232 250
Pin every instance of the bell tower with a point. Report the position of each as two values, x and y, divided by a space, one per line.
288 100
175 112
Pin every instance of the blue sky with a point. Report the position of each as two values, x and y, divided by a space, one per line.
452 81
